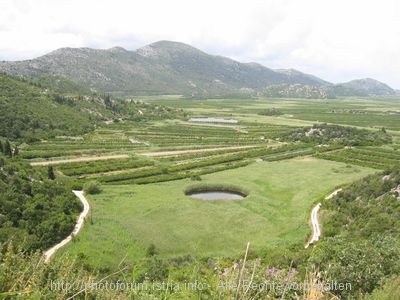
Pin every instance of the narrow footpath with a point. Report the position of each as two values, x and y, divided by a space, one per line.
50 252
315 225
314 220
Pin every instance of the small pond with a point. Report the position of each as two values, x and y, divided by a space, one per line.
214 120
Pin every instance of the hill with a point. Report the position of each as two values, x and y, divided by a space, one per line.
363 87
29 112
46 107
168 67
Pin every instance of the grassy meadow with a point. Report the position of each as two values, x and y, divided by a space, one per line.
126 219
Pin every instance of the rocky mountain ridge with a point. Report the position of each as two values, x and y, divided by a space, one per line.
168 67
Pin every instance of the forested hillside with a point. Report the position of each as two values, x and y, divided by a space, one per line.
348 136
361 228
40 108
35 211
30 112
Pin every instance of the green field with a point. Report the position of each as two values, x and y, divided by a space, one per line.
126 219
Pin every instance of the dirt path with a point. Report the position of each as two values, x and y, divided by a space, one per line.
333 194
315 225
177 152
78 159
314 219
49 253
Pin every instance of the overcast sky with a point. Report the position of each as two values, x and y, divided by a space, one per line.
337 40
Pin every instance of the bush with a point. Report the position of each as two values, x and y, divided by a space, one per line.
92 187
151 250
195 178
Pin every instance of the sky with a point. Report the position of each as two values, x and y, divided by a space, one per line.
337 40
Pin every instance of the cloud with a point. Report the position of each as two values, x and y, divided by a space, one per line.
336 40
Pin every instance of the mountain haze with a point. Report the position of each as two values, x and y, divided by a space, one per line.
167 67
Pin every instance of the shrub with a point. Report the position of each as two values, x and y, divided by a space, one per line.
151 250
50 173
195 178
92 187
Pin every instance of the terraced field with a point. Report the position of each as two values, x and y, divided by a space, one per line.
163 150
378 158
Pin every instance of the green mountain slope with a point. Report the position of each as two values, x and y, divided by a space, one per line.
59 84
30 112
34 108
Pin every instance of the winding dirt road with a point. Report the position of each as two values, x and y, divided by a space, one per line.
333 194
314 219
315 225
49 253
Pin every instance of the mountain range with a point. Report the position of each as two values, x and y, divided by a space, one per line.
168 67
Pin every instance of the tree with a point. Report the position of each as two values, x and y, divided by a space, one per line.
7 149
1 147
16 151
107 101
50 173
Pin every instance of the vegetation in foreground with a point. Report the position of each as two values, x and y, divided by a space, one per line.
35 211
370 260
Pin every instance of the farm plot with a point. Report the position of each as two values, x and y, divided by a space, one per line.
373 157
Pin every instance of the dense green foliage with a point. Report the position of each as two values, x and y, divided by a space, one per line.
92 187
375 195
348 136
34 212
362 230
29 112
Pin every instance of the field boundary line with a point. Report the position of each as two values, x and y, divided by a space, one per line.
177 152
77 159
